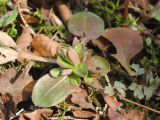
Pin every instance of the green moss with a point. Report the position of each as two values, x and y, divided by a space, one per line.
3 4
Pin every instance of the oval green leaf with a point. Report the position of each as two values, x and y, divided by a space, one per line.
86 24
98 65
50 91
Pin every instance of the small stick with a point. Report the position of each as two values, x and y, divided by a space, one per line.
126 5
143 106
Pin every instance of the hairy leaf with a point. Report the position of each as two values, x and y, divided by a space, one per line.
109 90
98 65
81 70
50 91
127 43
86 24
8 18
75 80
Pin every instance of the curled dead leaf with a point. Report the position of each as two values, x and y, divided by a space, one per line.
84 114
80 97
64 11
40 114
25 39
13 83
44 46
127 43
127 115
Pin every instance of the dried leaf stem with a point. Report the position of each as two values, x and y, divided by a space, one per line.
143 106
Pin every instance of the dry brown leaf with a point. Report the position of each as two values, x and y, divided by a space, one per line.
25 39
30 19
84 114
127 115
40 114
143 4
45 9
7 107
80 97
44 46
14 82
6 40
101 43
7 55
63 10
127 43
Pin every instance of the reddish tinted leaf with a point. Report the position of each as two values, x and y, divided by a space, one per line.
86 24
73 56
127 43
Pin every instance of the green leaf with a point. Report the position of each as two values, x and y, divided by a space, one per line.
118 84
86 23
79 48
55 72
81 70
63 62
8 18
133 86
139 92
49 91
120 87
88 79
138 70
98 65
148 91
75 80
109 90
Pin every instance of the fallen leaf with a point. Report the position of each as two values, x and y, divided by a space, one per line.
45 9
101 43
7 106
25 39
84 114
30 56
143 4
127 115
7 55
50 91
127 43
44 46
81 98
63 10
6 40
14 82
40 114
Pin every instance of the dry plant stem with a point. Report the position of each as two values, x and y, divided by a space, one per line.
126 5
23 20
108 82
143 106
